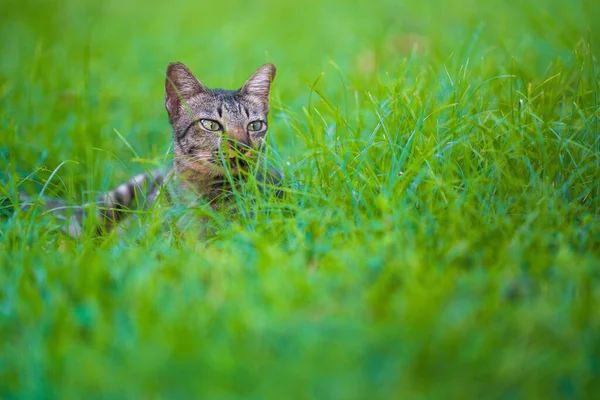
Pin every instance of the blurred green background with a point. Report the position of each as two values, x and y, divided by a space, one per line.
91 67
440 236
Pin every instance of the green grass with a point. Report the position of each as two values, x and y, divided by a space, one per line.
439 236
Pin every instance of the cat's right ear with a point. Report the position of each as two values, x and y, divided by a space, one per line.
180 86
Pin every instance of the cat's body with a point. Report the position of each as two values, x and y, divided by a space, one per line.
217 135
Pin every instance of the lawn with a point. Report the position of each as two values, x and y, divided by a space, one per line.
438 236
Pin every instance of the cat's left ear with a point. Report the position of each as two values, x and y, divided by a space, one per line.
259 83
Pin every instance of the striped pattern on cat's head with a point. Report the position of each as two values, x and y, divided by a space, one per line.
213 125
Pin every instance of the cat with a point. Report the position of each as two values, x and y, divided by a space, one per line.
217 135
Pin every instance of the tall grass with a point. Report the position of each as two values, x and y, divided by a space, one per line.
438 234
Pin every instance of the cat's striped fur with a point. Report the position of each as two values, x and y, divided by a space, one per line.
213 130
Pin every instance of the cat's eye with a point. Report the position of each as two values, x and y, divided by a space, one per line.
210 125
255 126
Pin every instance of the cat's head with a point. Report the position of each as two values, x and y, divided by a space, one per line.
214 125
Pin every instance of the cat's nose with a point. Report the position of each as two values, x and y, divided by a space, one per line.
237 148
238 142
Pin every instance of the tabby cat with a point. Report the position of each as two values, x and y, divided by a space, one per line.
217 135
